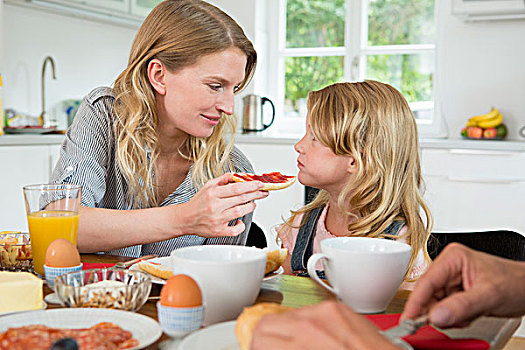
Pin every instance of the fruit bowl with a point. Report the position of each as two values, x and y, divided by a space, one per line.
488 126
104 288
483 139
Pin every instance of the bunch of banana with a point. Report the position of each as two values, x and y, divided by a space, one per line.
486 126
487 120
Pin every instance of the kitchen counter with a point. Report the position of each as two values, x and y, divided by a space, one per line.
441 143
30 139
291 139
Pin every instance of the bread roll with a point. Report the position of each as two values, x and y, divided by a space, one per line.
275 259
156 269
248 319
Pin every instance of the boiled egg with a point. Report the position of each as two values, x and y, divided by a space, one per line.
62 253
181 291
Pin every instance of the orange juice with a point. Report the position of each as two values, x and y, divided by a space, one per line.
47 225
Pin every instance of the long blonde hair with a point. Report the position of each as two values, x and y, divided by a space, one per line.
178 33
372 122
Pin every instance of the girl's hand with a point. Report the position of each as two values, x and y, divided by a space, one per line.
218 202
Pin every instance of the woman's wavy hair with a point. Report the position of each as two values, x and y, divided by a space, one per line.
372 122
178 33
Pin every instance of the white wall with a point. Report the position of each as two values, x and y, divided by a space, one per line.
480 65
87 55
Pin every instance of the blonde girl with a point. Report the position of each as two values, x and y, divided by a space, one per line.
361 151
151 152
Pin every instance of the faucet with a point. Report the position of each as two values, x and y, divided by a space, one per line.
50 60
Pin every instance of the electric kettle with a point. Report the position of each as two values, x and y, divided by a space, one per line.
252 117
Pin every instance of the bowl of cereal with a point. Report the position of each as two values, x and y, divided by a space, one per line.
104 288
15 251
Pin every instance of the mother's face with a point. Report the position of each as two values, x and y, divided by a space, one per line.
191 101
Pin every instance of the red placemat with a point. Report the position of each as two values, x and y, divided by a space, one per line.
86 266
429 338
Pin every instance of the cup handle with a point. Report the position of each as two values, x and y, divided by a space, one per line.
313 273
522 131
264 100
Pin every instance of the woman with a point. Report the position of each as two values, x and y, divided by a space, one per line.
150 152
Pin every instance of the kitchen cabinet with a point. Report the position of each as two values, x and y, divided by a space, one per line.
143 7
122 12
119 5
22 165
474 189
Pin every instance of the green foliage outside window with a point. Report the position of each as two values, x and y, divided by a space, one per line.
315 23
400 22
303 74
410 74
320 23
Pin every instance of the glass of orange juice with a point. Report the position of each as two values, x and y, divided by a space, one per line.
52 212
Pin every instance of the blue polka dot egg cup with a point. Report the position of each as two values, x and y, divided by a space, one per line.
179 321
52 273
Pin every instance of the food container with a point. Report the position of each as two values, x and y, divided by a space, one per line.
104 288
15 252
52 273
179 321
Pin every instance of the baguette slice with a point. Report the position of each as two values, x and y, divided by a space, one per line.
248 319
283 180
156 269
275 259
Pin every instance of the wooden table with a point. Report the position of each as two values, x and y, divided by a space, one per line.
300 291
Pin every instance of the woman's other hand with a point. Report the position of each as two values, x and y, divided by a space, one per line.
217 203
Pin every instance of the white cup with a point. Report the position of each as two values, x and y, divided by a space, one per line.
365 272
229 276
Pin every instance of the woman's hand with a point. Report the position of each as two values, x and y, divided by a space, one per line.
329 325
218 202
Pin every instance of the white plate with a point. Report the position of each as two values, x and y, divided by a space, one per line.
44 306
166 260
276 273
144 329
220 336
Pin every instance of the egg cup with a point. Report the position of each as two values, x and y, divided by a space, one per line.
53 272
179 321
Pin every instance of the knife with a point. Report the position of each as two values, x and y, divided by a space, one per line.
406 327
126 264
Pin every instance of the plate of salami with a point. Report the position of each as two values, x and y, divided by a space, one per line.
272 181
91 327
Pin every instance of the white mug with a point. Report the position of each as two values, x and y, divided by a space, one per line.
229 276
365 272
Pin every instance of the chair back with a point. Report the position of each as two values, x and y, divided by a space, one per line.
256 237
502 243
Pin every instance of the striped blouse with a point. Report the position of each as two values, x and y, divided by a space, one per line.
88 158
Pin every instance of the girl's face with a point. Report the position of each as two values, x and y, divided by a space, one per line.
319 167
195 97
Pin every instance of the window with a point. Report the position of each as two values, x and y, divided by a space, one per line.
325 41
